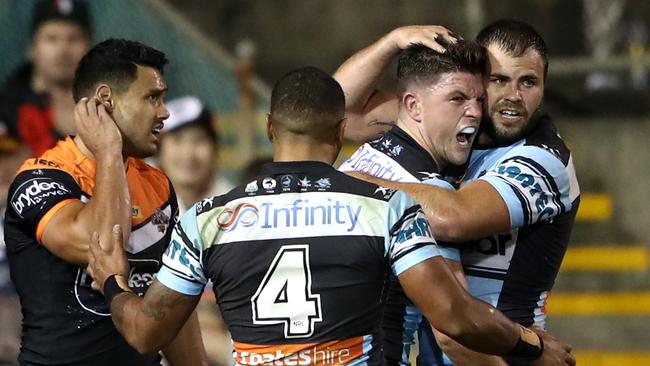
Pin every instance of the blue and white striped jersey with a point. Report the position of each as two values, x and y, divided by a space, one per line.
299 258
514 271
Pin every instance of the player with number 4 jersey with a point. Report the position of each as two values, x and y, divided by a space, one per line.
299 257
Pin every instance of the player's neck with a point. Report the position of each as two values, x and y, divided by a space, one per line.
84 150
305 151
417 135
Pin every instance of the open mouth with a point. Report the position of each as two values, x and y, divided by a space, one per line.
510 114
465 136
156 130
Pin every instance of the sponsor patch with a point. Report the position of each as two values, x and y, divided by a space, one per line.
36 191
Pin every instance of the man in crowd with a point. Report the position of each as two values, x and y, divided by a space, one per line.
90 183
441 96
518 199
298 257
188 152
36 104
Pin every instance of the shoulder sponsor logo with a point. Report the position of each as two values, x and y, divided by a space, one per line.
396 150
37 172
323 183
39 161
36 191
418 227
375 163
386 143
244 214
530 185
251 187
304 183
286 181
269 183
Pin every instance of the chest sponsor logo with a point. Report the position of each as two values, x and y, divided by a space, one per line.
244 215
301 212
141 275
34 192
492 252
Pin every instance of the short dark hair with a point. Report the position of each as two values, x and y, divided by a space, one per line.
514 37
420 64
308 101
115 62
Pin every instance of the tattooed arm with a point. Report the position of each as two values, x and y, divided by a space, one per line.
152 322
149 323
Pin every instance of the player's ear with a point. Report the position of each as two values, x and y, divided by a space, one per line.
104 94
413 106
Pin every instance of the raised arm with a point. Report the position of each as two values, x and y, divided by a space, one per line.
150 323
67 233
368 110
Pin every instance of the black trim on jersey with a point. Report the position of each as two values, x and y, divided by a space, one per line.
408 250
312 170
408 214
545 176
187 242
414 158
485 272
522 200
183 275
545 135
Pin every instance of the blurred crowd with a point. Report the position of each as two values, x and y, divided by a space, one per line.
36 110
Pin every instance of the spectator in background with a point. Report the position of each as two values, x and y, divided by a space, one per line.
188 154
36 104
189 151
12 155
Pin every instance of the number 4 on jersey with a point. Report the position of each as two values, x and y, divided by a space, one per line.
285 297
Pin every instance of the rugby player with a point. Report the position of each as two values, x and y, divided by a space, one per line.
441 96
298 257
87 183
518 199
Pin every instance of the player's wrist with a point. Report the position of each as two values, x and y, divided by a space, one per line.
114 285
529 347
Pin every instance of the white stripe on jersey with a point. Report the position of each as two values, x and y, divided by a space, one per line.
293 215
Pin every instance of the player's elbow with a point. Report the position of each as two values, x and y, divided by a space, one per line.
447 226
144 345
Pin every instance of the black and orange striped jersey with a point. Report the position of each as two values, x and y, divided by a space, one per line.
65 321
299 258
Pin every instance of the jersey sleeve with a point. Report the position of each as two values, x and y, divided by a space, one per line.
36 195
534 184
182 268
409 240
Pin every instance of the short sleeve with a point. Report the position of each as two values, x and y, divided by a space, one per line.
534 184
410 240
35 196
182 268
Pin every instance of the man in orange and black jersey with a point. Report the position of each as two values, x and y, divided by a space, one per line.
299 257
91 182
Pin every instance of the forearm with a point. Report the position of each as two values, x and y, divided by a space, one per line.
110 204
132 323
461 356
149 324
187 347
359 74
